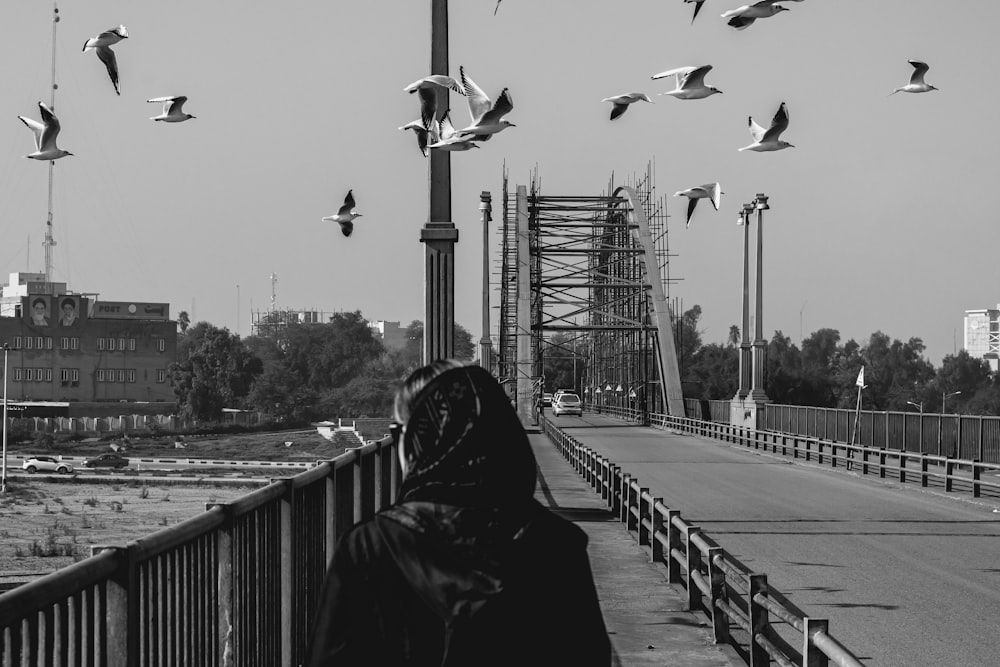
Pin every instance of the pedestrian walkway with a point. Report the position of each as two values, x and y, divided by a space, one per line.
646 617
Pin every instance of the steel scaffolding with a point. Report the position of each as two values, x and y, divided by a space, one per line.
588 258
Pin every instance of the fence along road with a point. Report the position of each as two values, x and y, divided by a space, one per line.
905 576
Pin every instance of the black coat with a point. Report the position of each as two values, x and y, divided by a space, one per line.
467 569
394 596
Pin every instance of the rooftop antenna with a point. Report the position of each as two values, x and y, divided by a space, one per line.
49 241
274 289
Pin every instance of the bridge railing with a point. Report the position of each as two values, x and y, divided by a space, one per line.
237 584
759 622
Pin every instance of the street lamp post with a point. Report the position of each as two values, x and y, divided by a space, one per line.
918 406
944 397
746 353
757 392
3 471
920 431
485 344
439 235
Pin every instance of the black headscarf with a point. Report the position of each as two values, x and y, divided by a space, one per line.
468 446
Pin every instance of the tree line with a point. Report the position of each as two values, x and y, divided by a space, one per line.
301 372
823 372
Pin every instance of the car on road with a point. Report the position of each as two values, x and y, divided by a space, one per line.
107 461
46 464
567 403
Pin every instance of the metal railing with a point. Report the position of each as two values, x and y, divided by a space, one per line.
236 585
950 473
759 622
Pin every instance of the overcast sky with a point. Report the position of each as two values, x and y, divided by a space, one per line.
882 217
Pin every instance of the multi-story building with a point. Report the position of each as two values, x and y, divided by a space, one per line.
982 335
73 347
393 336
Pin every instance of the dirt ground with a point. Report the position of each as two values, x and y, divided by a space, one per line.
45 526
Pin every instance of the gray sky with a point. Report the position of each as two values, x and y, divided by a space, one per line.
878 218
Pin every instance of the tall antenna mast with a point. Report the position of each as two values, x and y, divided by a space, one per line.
274 289
49 241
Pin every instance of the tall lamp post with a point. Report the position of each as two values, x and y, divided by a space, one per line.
746 354
485 344
944 398
3 471
757 393
439 234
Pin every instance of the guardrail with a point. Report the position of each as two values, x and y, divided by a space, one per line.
759 622
948 473
238 584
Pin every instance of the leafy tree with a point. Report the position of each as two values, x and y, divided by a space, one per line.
183 321
213 370
964 373
784 378
715 372
564 360
465 348
687 339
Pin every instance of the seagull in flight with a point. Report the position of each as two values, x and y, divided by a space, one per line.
424 136
621 102
435 80
711 191
102 44
45 135
496 8
172 111
741 17
346 215
697 8
916 84
487 117
448 139
768 140
689 82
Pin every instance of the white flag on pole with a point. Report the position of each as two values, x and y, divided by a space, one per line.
861 378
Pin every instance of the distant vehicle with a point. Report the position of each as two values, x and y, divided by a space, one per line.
560 392
46 464
107 461
567 403
546 399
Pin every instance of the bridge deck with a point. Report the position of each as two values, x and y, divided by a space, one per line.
646 617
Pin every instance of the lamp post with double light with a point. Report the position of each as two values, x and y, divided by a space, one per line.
920 430
757 393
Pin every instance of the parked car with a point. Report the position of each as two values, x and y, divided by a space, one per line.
46 464
567 403
107 461
546 399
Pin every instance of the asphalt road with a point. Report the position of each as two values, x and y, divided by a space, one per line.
906 576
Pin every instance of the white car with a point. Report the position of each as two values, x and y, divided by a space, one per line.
567 403
46 464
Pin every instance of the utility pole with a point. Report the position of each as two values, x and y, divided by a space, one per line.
439 234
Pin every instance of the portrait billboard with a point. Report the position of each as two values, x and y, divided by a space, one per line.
37 310
69 311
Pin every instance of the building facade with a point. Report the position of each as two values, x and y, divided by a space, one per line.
70 347
982 335
392 335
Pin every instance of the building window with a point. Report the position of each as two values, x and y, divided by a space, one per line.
64 343
100 344
17 342
48 374
17 375
29 342
74 343
100 375
29 374
161 376
76 375
121 374
161 345
64 375
48 342
121 344
130 375
131 344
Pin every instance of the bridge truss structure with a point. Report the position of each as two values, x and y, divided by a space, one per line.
588 277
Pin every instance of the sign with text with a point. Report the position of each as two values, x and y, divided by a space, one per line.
129 310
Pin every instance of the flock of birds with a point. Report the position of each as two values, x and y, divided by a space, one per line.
435 131
47 130
689 84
